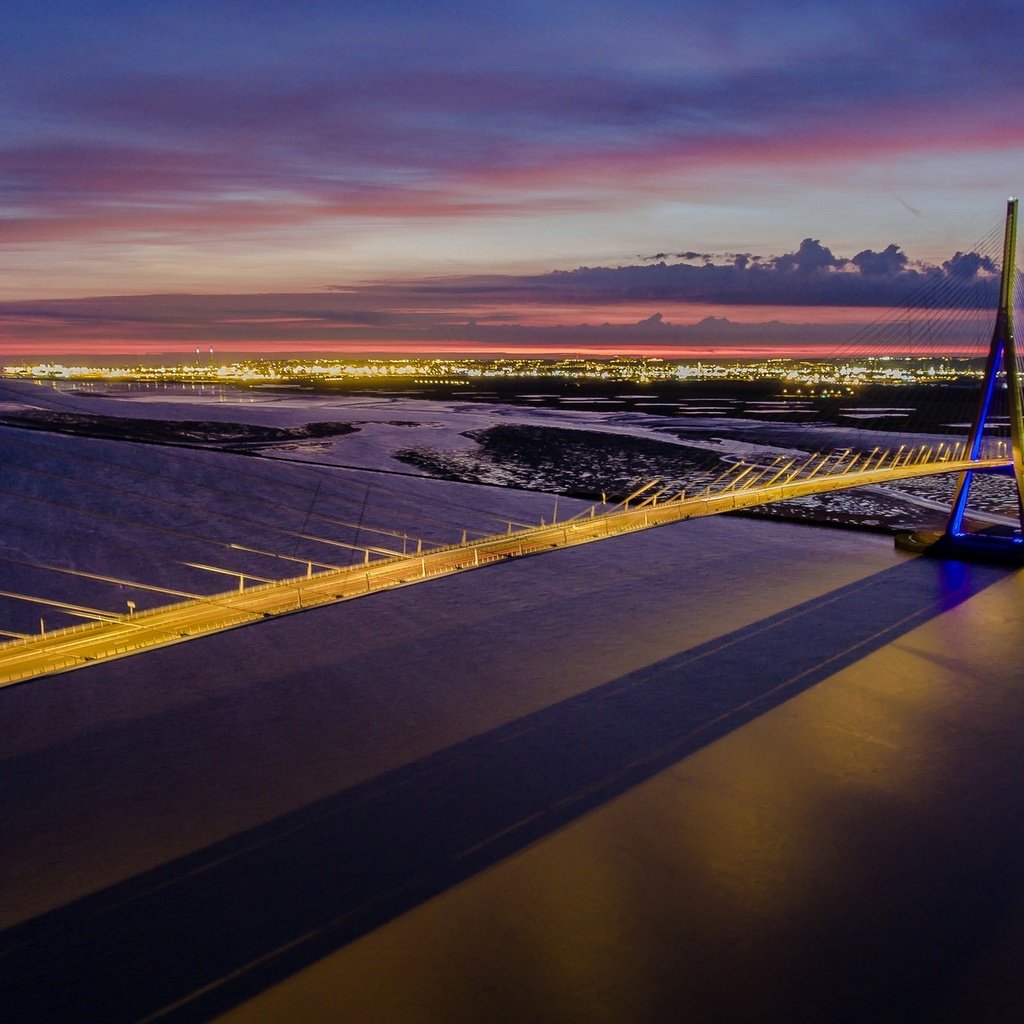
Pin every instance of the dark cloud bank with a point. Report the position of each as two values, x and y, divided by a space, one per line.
810 276
493 312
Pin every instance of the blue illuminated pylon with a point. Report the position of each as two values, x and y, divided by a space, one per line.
1002 358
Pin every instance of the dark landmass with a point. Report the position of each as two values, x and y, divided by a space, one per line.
565 461
598 465
923 408
581 463
857 509
182 432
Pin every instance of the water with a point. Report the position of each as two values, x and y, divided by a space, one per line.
845 845
725 770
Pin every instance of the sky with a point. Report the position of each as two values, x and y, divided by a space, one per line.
401 178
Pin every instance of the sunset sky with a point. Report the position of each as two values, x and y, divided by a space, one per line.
527 176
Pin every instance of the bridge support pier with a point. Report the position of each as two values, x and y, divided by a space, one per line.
1004 544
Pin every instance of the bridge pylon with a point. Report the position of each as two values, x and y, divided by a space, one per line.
1001 367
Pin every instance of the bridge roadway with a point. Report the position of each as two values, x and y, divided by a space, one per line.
121 635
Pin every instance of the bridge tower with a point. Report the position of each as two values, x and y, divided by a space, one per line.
1001 369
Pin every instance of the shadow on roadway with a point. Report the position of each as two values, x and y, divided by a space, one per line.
202 933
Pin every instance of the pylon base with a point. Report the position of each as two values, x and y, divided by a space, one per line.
993 545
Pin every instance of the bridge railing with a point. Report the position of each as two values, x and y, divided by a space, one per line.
161 625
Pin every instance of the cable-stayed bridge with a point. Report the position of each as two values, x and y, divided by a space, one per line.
745 483
742 486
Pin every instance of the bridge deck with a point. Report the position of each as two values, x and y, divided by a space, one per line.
62 650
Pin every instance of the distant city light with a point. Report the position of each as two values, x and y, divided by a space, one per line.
789 373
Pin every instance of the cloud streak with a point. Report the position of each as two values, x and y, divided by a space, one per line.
237 132
217 147
819 298
811 275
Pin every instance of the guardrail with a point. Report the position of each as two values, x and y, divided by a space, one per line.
176 622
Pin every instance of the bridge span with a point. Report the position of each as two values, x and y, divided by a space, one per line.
743 485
